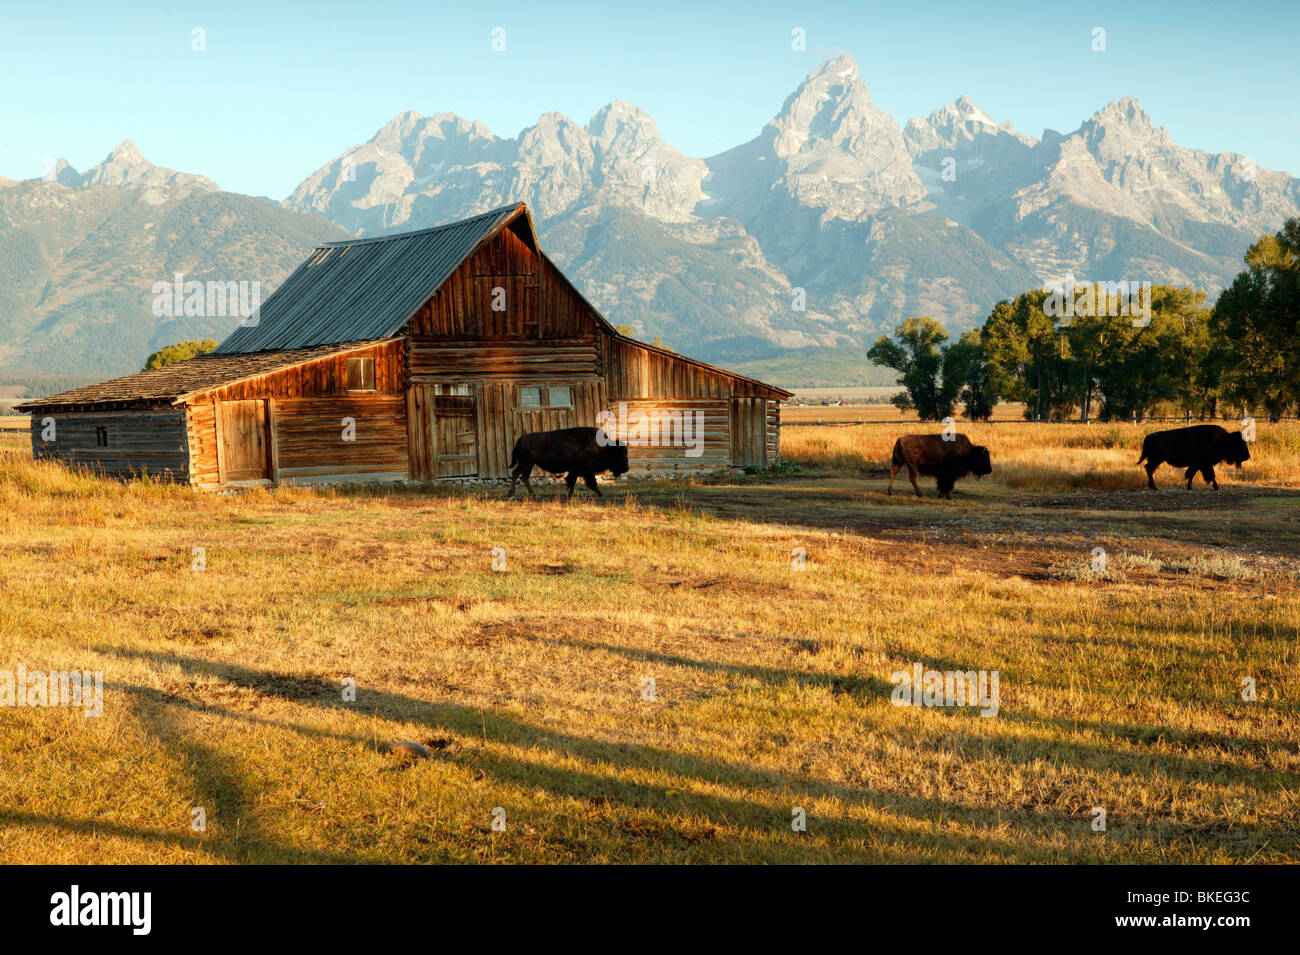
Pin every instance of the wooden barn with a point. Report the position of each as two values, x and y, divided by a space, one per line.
419 356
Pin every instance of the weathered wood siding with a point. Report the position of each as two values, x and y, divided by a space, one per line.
773 431
305 407
437 437
151 441
311 439
323 378
505 290
439 362
636 370
748 432
672 436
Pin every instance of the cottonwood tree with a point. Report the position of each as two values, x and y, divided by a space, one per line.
1255 325
181 351
916 353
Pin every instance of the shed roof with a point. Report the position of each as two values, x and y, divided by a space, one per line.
171 383
366 288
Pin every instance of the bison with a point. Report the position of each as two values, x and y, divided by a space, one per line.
582 452
1198 448
946 457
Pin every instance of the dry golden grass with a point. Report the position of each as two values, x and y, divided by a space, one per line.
1046 457
883 413
772 685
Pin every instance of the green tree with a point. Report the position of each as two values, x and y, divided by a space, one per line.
1254 325
966 366
918 356
181 351
1028 356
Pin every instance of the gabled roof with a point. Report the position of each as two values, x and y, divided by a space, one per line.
363 289
174 383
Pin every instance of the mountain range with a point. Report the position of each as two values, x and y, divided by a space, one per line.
793 250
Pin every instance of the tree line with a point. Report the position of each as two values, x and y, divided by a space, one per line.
1093 353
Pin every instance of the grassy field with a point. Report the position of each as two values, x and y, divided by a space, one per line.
872 413
1119 689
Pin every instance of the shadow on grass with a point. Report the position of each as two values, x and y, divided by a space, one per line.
1010 833
1084 756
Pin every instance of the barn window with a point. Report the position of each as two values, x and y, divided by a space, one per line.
361 374
530 397
101 436
560 396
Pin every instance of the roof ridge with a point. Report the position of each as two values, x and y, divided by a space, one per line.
367 240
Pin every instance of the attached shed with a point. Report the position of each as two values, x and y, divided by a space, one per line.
419 356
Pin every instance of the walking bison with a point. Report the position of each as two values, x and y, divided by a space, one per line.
1198 448
945 458
575 450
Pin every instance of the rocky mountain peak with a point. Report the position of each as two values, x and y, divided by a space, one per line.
623 129
831 106
1126 111
124 166
64 173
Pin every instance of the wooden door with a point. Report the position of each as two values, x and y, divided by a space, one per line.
749 432
455 429
243 447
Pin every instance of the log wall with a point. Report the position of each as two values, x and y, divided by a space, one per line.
773 431
140 441
311 441
672 436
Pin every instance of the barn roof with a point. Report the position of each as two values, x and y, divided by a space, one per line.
171 383
366 288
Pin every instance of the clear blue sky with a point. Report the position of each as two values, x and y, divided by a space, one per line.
284 88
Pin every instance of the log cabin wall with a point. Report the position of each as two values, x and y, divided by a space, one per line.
773 431
117 443
672 436
684 409
317 427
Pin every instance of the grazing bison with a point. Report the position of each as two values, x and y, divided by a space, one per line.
932 456
1198 448
574 450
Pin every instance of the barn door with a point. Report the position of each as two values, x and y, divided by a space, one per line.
748 432
456 432
242 446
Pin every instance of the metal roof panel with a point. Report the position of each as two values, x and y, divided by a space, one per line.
362 289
